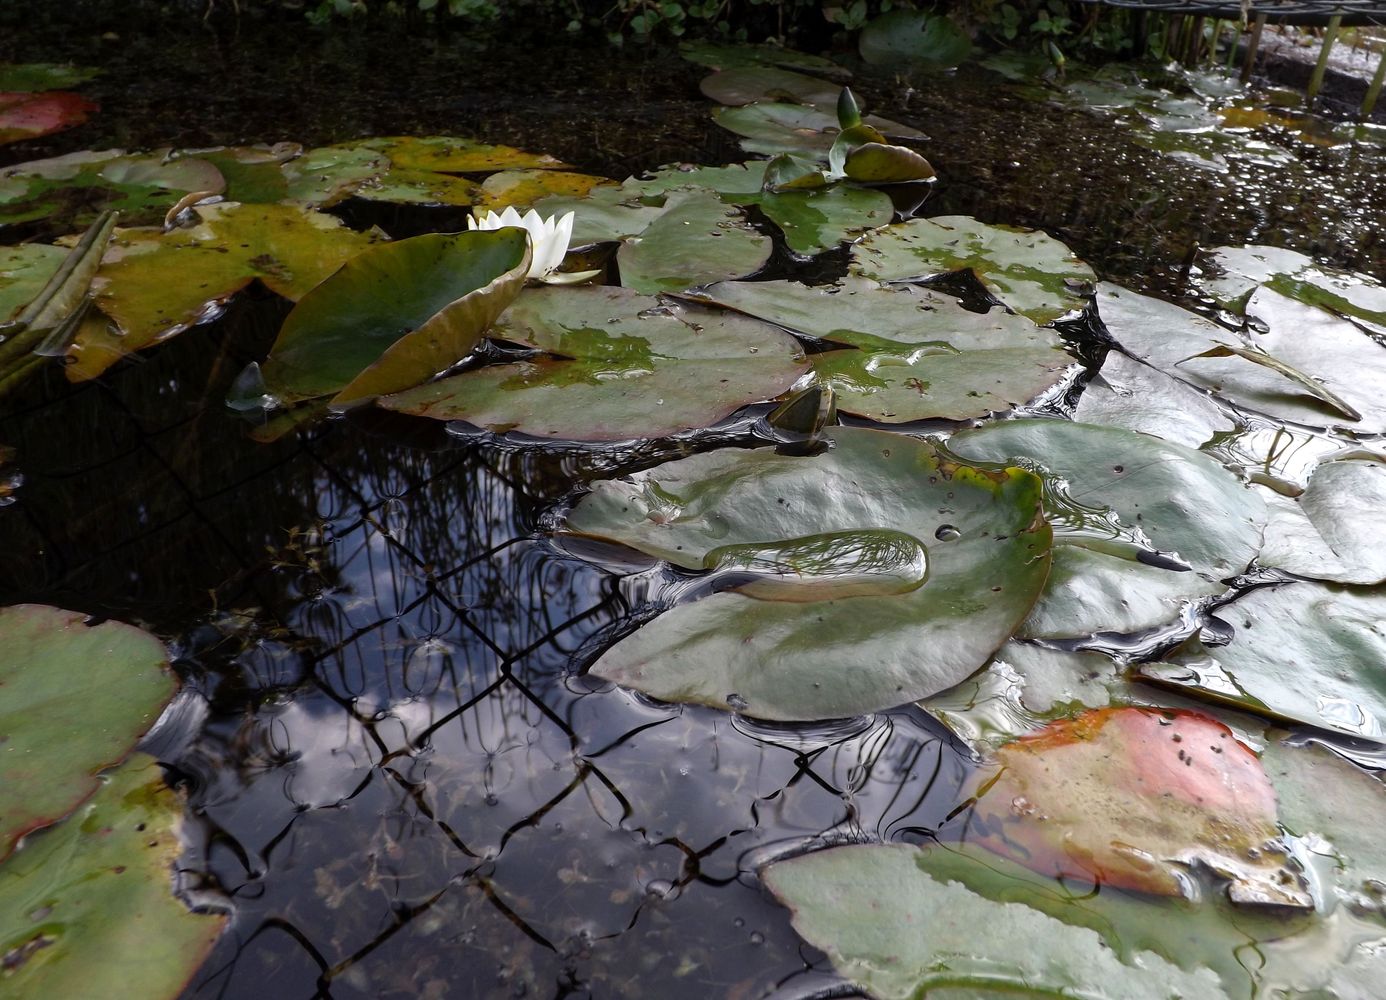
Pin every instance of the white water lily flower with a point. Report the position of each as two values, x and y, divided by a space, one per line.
548 240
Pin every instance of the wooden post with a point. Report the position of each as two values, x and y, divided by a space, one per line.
1141 35
1172 36
1252 45
1193 45
1330 35
1374 91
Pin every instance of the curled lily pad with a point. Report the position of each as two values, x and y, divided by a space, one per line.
1292 274
86 910
28 116
1333 530
75 188
696 240
621 365
396 314
55 743
917 354
914 38
449 154
1131 797
882 163
987 553
1033 274
1306 652
748 84
288 249
522 188
24 270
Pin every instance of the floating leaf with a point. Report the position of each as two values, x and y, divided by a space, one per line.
623 366
1182 501
24 270
902 923
1132 797
1290 372
28 116
696 240
321 178
1334 530
879 163
987 555
607 214
921 355
55 742
1296 276
448 154
288 249
789 172
748 84
734 181
1336 354
1033 274
419 187
725 57
73 189
1306 652
771 128
819 220
254 174
85 908
33 77
522 188
913 38
396 314
1129 394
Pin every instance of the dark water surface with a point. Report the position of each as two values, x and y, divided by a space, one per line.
396 772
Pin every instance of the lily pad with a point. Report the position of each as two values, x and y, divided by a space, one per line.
321 178
914 38
24 270
901 923
1033 274
696 240
34 77
920 355
1111 484
1130 394
723 57
522 188
28 116
288 249
623 365
823 219
1132 797
86 911
55 743
749 84
770 127
254 174
1296 276
607 214
402 186
1334 353
1306 652
449 154
396 314
73 189
1334 529
734 181
987 555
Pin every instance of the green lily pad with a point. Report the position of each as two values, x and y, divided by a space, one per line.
449 154
987 551
402 186
27 116
724 57
73 189
522 188
1306 652
697 239
749 84
254 174
825 218
913 38
1337 355
734 182
86 911
608 214
396 314
920 355
321 178
1132 490
33 77
1296 276
905 923
1033 274
1131 798
1334 529
623 365
24 270
56 742
288 249
769 127
1130 394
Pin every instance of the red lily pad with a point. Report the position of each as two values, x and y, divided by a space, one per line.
1134 798
28 116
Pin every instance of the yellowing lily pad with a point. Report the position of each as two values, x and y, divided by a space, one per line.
24 270
447 154
288 249
87 910
402 186
323 177
1033 274
621 365
54 740
522 188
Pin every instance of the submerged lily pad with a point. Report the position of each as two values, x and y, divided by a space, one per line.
1334 529
914 38
1132 797
86 911
28 116
55 741
449 154
623 365
695 240
289 249
918 354
73 189
1033 274
987 551
1306 652
24 270
396 314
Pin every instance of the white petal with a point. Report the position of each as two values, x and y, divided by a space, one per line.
510 217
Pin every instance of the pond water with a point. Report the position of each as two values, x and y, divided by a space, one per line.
395 770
